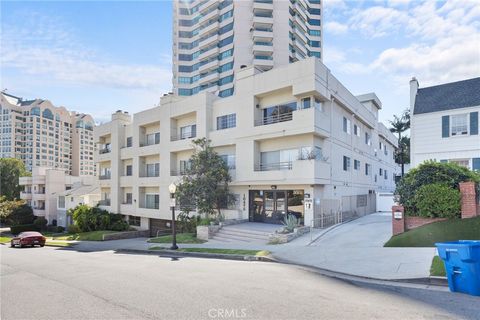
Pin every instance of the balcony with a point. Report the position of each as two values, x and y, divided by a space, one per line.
106 176
274 119
104 150
177 173
104 202
25 195
274 166
262 33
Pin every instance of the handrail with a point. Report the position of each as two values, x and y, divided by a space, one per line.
274 166
274 119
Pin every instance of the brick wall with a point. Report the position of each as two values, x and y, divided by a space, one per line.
469 201
415 222
398 225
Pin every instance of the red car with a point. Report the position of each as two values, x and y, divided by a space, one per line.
29 238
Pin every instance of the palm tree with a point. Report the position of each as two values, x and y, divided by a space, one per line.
400 124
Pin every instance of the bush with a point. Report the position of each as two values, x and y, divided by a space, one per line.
119 225
40 223
205 222
96 219
429 172
187 224
55 229
60 229
23 227
22 214
73 228
437 201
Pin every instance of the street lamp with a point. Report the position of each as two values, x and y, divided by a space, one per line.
172 188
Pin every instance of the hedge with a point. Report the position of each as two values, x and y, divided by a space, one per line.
23 227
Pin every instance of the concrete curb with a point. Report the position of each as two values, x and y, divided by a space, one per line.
177 254
432 283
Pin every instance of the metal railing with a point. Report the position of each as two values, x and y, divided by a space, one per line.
175 173
104 150
104 202
274 166
154 206
105 176
274 119
176 137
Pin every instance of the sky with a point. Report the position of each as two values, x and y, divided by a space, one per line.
100 56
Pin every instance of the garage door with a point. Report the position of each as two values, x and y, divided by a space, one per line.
385 201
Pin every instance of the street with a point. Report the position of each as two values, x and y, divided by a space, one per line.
54 283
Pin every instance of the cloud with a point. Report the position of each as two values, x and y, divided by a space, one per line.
43 46
336 28
378 21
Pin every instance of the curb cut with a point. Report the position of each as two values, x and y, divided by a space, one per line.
179 254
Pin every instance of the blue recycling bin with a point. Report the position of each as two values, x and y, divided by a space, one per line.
462 265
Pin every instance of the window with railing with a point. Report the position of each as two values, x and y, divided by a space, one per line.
188 132
151 139
128 198
152 201
106 148
277 160
229 160
104 202
151 170
105 174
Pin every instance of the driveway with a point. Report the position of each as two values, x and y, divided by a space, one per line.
357 248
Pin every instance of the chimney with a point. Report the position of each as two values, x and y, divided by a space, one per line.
413 92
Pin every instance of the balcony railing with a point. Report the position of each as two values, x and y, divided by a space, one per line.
40 192
105 176
274 119
149 175
274 166
104 150
150 206
104 202
176 137
39 208
175 173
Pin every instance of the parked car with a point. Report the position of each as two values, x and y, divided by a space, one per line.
28 238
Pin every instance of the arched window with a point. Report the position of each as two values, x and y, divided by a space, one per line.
79 124
47 114
35 111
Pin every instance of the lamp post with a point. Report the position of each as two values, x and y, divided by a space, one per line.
172 188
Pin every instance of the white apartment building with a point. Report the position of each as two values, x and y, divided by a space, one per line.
42 188
289 134
212 39
81 192
444 123
42 135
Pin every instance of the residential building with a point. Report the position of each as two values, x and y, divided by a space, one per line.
41 189
80 193
444 123
42 135
212 39
289 134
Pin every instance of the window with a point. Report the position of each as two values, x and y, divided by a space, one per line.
134 221
128 198
385 175
153 138
306 103
128 170
229 160
346 163
188 132
356 164
225 80
368 140
346 125
151 201
185 165
461 162
318 104
61 202
226 121
459 124
356 130
226 93
367 169
380 172
153 169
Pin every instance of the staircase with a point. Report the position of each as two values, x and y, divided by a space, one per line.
235 233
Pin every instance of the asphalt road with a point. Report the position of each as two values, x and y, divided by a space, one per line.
53 283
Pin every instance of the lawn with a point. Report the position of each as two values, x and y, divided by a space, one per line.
260 253
181 238
437 268
4 239
84 236
449 230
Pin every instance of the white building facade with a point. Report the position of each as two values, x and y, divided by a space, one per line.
444 123
288 134
212 39
42 135
43 187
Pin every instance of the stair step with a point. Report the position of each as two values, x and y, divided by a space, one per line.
246 231
243 234
230 239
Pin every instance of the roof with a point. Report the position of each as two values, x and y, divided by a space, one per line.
448 96
370 97
80 191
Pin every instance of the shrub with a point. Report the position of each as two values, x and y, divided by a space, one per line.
187 224
204 222
290 222
73 228
55 229
23 227
119 225
60 229
429 172
40 223
22 214
437 201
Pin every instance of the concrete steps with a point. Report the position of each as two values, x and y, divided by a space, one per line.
235 234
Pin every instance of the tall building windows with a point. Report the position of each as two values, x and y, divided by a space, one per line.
225 67
225 80
226 121
225 54
225 41
226 93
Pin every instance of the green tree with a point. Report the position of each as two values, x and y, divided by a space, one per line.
205 185
399 125
14 212
10 170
